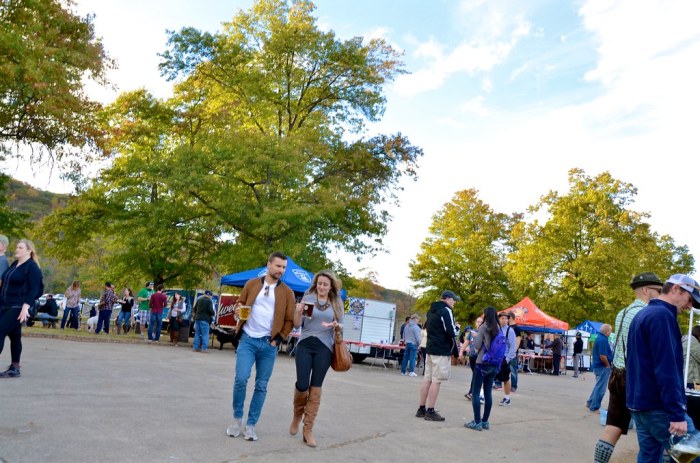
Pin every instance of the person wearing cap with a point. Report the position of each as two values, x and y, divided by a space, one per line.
440 325
411 336
655 389
4 263
202 314
104 308
144 298
646 286
511 355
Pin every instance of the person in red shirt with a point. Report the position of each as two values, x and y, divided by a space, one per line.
157 303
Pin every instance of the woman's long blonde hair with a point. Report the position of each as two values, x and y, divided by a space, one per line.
333 293
75 286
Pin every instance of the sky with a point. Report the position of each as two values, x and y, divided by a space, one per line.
503 96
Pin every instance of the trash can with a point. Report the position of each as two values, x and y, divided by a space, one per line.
184 331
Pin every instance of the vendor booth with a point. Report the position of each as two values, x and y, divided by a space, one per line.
532 319
590 327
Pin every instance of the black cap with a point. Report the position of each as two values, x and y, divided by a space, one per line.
646 279
208 293
450 294
578 334
150 283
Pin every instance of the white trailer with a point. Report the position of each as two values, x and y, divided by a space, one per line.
370 322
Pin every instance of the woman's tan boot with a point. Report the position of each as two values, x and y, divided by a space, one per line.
310 412
299 404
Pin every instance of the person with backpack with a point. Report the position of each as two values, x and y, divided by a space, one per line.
20 286
491 346
511 354
442 334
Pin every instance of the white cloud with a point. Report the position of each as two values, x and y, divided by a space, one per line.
476 106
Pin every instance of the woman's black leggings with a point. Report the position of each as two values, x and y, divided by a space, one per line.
313 358
11 327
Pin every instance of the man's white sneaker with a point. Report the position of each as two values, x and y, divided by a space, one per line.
249 433
235 429
412 374
504 401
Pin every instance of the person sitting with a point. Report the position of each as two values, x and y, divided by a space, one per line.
48 312
694 365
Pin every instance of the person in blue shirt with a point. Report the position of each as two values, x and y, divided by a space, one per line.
601 358
655 389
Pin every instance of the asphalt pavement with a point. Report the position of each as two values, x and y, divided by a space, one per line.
113 402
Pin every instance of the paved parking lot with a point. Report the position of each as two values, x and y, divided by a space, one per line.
111 402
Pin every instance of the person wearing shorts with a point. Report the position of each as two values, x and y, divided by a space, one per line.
144 298
442 333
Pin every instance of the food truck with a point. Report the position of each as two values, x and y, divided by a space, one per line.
367 322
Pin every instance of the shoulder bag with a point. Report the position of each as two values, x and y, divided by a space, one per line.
342 360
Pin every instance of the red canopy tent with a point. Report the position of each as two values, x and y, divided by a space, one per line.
531 318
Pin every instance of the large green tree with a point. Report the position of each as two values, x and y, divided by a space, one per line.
465 252
46 51
250 154
576 262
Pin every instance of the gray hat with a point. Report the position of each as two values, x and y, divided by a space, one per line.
688 284
646 279
450 294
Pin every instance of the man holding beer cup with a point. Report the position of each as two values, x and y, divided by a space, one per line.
265 310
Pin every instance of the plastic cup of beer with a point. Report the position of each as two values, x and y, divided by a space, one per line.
308 307
686 449
244 312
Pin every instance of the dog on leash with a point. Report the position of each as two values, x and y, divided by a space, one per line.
91 324
223 336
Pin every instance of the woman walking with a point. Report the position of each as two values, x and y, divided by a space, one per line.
314 350
18 291
124 317
72 296
484 374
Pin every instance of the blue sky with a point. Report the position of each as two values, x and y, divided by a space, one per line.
503 96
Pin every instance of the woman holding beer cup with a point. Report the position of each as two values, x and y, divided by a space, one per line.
314 350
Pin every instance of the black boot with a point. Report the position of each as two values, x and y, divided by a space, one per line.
11 372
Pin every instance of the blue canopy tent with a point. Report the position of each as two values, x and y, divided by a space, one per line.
590 327
295 277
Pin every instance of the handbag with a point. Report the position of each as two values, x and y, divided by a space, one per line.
342 360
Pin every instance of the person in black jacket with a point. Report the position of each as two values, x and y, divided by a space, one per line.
18 290
440 325
578 353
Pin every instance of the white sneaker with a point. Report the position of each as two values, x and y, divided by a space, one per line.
412 374
403 374
235 429
504 402
249 433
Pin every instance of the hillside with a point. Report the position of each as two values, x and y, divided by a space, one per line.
36 203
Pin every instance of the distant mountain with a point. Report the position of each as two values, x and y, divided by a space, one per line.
36 203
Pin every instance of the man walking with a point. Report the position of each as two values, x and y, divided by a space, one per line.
440 325
655 389
578 353
511 354
646 286
157 303
202 313
514 361
600 364
270 321
144 299
411 335
104 307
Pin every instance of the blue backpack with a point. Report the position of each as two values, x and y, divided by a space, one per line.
497 350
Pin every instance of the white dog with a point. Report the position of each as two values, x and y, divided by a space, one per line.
92 324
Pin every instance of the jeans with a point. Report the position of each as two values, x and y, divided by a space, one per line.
154 326
652 434
602 375
483 375
513 372
73 312
577 363
556 363
10 327
409 357
312 361
251 351
201 335
123 318
103 319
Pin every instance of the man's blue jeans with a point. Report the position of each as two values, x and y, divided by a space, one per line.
251 351
73 312
154 326
201 335
652 434
602 375
103 319
409 357
513 372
